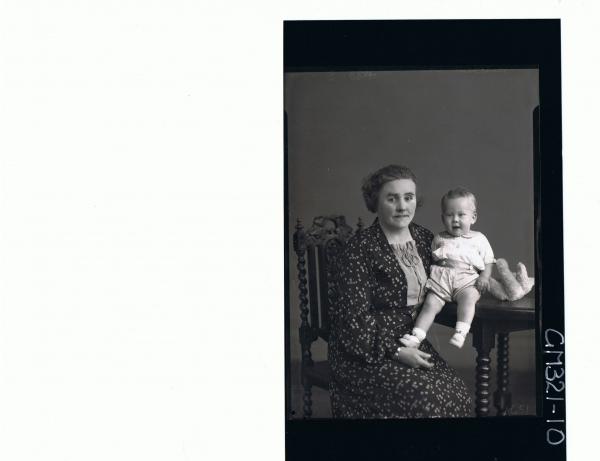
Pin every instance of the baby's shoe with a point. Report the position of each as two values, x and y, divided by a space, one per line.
413 340
462 330
457 340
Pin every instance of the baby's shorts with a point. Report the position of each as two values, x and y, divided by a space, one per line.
447 282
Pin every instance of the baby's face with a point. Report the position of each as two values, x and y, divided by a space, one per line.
458 215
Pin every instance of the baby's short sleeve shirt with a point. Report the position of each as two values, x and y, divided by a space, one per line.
472 248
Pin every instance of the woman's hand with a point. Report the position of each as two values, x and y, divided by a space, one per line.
413 357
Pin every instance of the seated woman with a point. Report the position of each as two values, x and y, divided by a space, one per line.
381 279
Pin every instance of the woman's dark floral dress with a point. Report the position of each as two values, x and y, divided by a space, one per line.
367 321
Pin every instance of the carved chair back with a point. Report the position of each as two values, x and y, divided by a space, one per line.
317 249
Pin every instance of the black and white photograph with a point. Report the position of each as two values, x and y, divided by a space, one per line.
408 159
414 239
298 230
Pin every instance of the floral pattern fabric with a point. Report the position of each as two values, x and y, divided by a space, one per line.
367 321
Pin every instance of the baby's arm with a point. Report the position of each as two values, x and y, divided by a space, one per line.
483 282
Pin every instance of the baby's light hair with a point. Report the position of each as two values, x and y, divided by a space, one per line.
460 192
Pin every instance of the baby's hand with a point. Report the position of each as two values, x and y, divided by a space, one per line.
482 284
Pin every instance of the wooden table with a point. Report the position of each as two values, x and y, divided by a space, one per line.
493 317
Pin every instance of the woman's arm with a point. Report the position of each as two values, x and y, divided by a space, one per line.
357 330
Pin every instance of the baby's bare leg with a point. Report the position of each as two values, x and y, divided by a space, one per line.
465 311
466 300
431 307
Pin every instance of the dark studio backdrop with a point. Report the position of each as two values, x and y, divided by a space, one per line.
465 127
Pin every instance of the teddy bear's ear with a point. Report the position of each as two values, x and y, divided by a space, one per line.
525 281
507 279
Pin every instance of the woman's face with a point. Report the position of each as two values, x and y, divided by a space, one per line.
397 204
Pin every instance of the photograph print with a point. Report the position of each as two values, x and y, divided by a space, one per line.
412 200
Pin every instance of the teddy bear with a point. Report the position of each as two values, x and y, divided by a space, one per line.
509 286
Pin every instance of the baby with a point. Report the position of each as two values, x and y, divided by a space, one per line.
460 271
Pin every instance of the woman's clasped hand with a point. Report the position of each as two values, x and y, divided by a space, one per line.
413 357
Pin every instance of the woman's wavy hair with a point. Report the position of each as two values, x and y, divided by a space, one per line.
373 183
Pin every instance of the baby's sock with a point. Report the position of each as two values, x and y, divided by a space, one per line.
419 333
462 328
414 339
458 339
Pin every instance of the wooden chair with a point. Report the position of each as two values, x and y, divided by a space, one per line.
316 250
